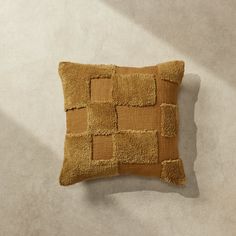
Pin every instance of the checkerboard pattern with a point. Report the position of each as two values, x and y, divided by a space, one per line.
121 120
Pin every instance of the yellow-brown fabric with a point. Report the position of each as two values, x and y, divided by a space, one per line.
121 121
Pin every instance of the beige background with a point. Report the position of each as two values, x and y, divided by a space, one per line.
36 35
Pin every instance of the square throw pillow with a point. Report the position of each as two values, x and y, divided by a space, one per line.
121 121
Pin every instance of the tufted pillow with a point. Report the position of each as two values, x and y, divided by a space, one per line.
121 121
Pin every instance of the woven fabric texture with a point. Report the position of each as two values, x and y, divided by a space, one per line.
121 121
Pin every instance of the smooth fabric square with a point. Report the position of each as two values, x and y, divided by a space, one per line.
121 121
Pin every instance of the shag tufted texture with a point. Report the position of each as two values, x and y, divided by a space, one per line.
102 118
136 146
134 89
120 121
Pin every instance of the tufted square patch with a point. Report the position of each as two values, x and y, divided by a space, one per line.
134 89
168 120
102 118
121 121
172 171
136 147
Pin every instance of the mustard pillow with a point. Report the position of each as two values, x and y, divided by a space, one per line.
121 121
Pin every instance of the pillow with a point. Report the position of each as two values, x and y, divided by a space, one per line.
121 121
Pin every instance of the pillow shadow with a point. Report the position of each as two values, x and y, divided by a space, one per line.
99 189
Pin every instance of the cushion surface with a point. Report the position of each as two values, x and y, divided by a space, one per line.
121 120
